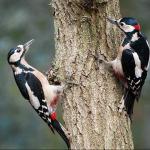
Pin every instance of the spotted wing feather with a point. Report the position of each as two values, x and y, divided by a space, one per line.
134 84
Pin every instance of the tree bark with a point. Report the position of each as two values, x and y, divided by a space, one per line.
91 101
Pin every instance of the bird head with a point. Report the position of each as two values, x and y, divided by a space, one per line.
126 24
16 54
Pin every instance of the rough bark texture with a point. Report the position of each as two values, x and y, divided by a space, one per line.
90 103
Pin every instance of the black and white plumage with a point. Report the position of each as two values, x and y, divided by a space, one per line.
35 87
132 62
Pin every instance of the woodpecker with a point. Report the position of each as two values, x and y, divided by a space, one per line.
132 62
35 87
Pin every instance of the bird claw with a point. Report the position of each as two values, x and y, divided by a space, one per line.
100 58
53 77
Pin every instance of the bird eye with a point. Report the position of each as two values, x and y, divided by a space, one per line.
18 50
121 23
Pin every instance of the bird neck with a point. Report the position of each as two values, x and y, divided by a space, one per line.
131 37
21 65
134 35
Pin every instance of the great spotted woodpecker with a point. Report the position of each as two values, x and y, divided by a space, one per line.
132 62
35 87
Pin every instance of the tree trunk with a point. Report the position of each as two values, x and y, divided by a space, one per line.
91 101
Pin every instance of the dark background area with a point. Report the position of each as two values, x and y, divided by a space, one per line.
22 20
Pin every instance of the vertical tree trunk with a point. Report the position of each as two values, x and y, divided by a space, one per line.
90 105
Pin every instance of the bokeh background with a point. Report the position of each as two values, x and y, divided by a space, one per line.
22 20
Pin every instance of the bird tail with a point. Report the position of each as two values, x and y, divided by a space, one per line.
58 127
129 99
51 127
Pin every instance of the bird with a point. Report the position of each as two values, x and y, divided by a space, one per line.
35 88
132 62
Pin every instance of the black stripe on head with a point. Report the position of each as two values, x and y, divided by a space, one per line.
11 51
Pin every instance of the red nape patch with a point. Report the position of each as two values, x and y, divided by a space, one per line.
53 116
137 27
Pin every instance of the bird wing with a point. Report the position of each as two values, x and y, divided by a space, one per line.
37 98
135 76
141 46
20 81
37 90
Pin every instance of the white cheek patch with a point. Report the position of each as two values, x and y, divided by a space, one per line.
34 100
15 57
128 28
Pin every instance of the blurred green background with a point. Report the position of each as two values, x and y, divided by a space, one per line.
22 20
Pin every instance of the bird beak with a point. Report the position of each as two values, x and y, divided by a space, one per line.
113 21
27 45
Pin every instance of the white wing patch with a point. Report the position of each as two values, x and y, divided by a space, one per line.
15 57
138 70
34 100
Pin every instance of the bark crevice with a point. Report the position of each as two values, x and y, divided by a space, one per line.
91 99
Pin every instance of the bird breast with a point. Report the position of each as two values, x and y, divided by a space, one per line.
117 68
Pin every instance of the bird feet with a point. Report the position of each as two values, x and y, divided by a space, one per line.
100 59
107 64
53 76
